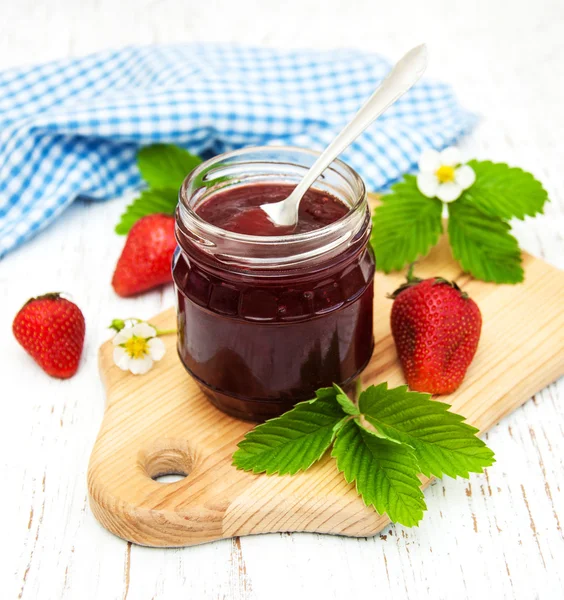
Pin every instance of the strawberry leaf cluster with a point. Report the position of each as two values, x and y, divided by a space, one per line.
407 224
382 444
164 168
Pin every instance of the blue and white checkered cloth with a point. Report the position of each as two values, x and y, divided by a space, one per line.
71 128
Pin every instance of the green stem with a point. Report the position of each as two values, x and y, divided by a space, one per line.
357 390
119 324
165 331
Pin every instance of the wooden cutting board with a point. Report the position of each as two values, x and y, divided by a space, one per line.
161 423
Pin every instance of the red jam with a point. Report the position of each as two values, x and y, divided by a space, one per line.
238 210
260 335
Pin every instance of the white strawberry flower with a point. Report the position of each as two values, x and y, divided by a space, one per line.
137 347
441 174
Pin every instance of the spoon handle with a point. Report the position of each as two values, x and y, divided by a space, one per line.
400 79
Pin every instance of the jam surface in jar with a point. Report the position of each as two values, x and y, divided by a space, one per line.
238 209
260 335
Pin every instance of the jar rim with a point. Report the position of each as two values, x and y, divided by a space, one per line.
271 240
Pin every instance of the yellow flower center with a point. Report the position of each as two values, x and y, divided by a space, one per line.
136 347
445 174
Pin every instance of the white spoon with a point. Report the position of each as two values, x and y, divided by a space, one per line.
401 78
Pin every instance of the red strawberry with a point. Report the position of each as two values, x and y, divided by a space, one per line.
436 328
51 330
145 261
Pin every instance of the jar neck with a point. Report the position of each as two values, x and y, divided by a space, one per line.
261 254
327 258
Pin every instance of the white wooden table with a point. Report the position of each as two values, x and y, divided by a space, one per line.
497 536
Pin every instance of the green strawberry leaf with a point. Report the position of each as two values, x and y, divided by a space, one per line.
148 203
294 441
505 192
382 449
441 442
348 406
385 473
405 226
482 244
166 165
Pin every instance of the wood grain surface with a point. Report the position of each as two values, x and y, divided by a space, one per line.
161 423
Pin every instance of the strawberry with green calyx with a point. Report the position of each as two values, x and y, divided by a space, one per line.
145 261
436 328
51 329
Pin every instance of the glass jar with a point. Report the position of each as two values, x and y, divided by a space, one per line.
264 321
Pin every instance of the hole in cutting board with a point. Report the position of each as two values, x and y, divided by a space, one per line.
170 477
167 461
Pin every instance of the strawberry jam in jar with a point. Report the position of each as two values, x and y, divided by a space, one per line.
267 314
